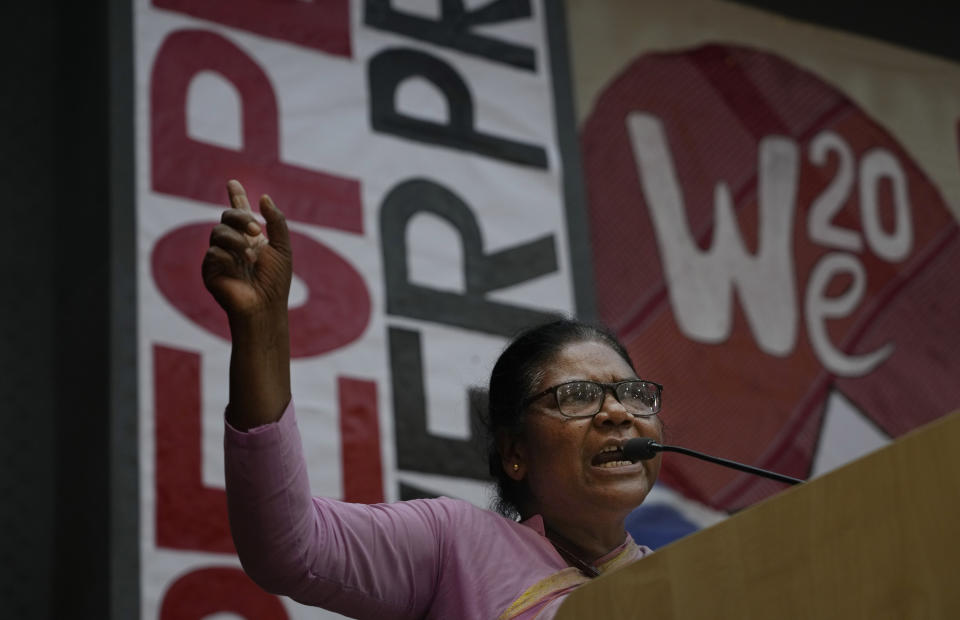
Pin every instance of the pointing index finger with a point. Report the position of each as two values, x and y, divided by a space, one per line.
238 196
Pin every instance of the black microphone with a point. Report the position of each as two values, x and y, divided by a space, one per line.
644 448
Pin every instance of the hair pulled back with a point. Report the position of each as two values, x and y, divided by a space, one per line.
514 377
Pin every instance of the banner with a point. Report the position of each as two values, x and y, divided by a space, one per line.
418 154
773 219
765 212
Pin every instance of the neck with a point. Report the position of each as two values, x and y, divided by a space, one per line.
587 541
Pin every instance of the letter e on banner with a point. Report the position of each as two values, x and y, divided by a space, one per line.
189 514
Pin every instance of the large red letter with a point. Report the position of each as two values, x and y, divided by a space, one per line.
206 591
182 166
360 441
320 24
324 322
189 514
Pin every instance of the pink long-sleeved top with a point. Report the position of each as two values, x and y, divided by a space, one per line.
429 558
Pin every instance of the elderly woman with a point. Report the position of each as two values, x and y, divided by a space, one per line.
563 397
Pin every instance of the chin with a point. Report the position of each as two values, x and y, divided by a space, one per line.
625 498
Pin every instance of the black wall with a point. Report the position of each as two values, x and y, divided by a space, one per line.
68 495
27 351
67 380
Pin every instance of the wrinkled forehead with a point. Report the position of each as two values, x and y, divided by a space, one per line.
583 359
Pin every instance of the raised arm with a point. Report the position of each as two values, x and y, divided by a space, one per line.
249 275
366 561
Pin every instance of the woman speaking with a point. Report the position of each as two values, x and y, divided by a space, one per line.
563 399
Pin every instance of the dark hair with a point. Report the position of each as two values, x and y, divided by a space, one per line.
515 375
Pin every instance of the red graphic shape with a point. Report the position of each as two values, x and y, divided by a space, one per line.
360 441
319 24
182 166
206 591
336 312
190 515
716 104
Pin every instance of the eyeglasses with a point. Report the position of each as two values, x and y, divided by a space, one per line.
583 399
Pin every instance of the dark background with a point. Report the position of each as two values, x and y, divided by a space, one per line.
68 479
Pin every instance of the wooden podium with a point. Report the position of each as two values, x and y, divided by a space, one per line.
877 538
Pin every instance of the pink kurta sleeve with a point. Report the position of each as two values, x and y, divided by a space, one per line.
356 559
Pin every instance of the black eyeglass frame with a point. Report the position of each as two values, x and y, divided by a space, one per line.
607 387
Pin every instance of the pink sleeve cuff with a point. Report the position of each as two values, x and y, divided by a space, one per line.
265 434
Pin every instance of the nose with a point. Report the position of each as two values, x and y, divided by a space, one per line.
612 412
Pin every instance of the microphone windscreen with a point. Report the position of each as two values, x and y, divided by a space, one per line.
640 449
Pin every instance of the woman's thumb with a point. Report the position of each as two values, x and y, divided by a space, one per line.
277 232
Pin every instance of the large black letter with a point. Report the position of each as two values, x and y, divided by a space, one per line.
417 449
453 29
482 272
391 67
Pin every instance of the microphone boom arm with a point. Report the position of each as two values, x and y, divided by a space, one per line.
726 462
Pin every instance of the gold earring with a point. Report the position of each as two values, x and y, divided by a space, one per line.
516 467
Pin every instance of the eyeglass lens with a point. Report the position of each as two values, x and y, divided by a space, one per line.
584 398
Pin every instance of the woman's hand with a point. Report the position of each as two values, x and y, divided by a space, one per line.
249 275
245 271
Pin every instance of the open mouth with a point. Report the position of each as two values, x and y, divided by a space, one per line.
609 457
